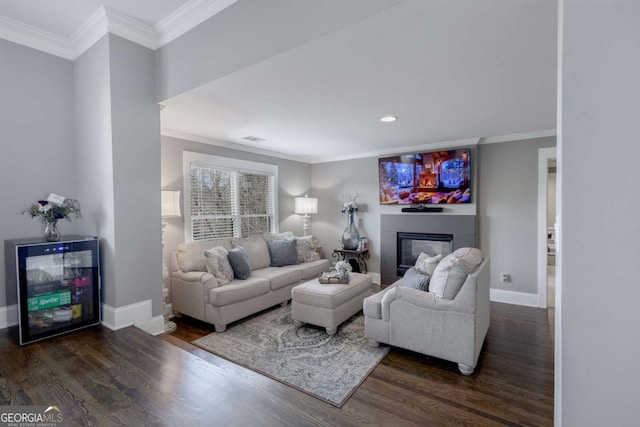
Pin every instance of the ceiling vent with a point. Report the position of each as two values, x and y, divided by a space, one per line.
253 139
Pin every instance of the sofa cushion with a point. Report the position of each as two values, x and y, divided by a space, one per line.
278 236
239 261
414 279
238 291
279 277
306 249
282 252
426 264
217 263
189 254
312 269
256 248
452 271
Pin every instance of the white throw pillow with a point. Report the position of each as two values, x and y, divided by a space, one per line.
426 264
452 271
306 249
217 262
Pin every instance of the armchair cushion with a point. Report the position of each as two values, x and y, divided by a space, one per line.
426 264
414 279
452 271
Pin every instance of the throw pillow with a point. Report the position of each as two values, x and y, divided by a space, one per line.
282 252
239 261
256 248
426 264
217 263
306 249
414 279
452 271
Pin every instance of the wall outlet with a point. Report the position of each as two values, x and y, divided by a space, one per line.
505 277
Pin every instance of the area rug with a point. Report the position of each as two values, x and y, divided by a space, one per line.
329 367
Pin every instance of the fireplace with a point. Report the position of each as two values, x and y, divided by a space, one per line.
411 245
461 227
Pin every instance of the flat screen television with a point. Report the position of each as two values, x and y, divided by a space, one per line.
434 177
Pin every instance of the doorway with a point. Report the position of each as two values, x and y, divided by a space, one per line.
546 227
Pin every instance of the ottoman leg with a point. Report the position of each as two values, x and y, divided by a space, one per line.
332 331
297 323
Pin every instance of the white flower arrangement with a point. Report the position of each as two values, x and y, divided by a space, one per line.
349 204
342 266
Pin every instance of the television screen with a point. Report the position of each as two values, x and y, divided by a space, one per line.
426 178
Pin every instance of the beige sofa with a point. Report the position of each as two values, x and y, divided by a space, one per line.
195 291
450 329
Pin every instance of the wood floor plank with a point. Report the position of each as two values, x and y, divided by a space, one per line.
129 378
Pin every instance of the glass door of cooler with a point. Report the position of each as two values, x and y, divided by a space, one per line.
59 288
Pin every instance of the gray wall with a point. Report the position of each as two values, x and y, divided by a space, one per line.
118 155
221 45
38 157
94 155
598 341
294 179
333 180
136 174
508 210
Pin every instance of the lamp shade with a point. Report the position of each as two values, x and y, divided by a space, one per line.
171 204
306 205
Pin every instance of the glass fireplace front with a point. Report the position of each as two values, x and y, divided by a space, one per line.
410 245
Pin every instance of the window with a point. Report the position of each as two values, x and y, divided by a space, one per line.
228 197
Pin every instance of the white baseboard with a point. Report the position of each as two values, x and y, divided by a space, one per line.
138 314
512 297
8 316
375 277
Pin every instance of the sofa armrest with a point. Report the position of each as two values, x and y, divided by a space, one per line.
201 278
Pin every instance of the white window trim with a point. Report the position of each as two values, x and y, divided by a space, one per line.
226 163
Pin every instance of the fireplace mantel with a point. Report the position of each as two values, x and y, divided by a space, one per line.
462 227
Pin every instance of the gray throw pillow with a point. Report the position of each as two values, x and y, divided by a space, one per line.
414 279
282 252
239 261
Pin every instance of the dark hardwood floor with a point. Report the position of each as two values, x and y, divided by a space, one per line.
100 377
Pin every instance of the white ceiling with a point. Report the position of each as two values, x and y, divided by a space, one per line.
449 69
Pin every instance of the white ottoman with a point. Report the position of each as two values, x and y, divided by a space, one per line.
329 305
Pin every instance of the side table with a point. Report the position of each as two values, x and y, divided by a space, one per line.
359 256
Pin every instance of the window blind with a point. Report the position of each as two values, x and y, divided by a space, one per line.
230 203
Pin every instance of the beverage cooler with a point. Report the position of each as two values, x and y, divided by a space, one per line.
55 285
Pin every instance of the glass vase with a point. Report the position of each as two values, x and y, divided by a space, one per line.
51 233
350 237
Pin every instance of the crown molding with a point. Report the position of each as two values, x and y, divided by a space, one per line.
187 17
230 145
519 136
35 38
107 20
131 29
90 32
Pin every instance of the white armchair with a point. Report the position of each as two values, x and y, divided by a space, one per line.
450 329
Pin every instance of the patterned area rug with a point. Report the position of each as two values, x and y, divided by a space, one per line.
329 367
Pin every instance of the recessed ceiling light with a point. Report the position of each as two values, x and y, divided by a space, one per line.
388 119
253 139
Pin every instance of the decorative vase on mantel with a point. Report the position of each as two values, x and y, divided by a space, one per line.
350 237
51 233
